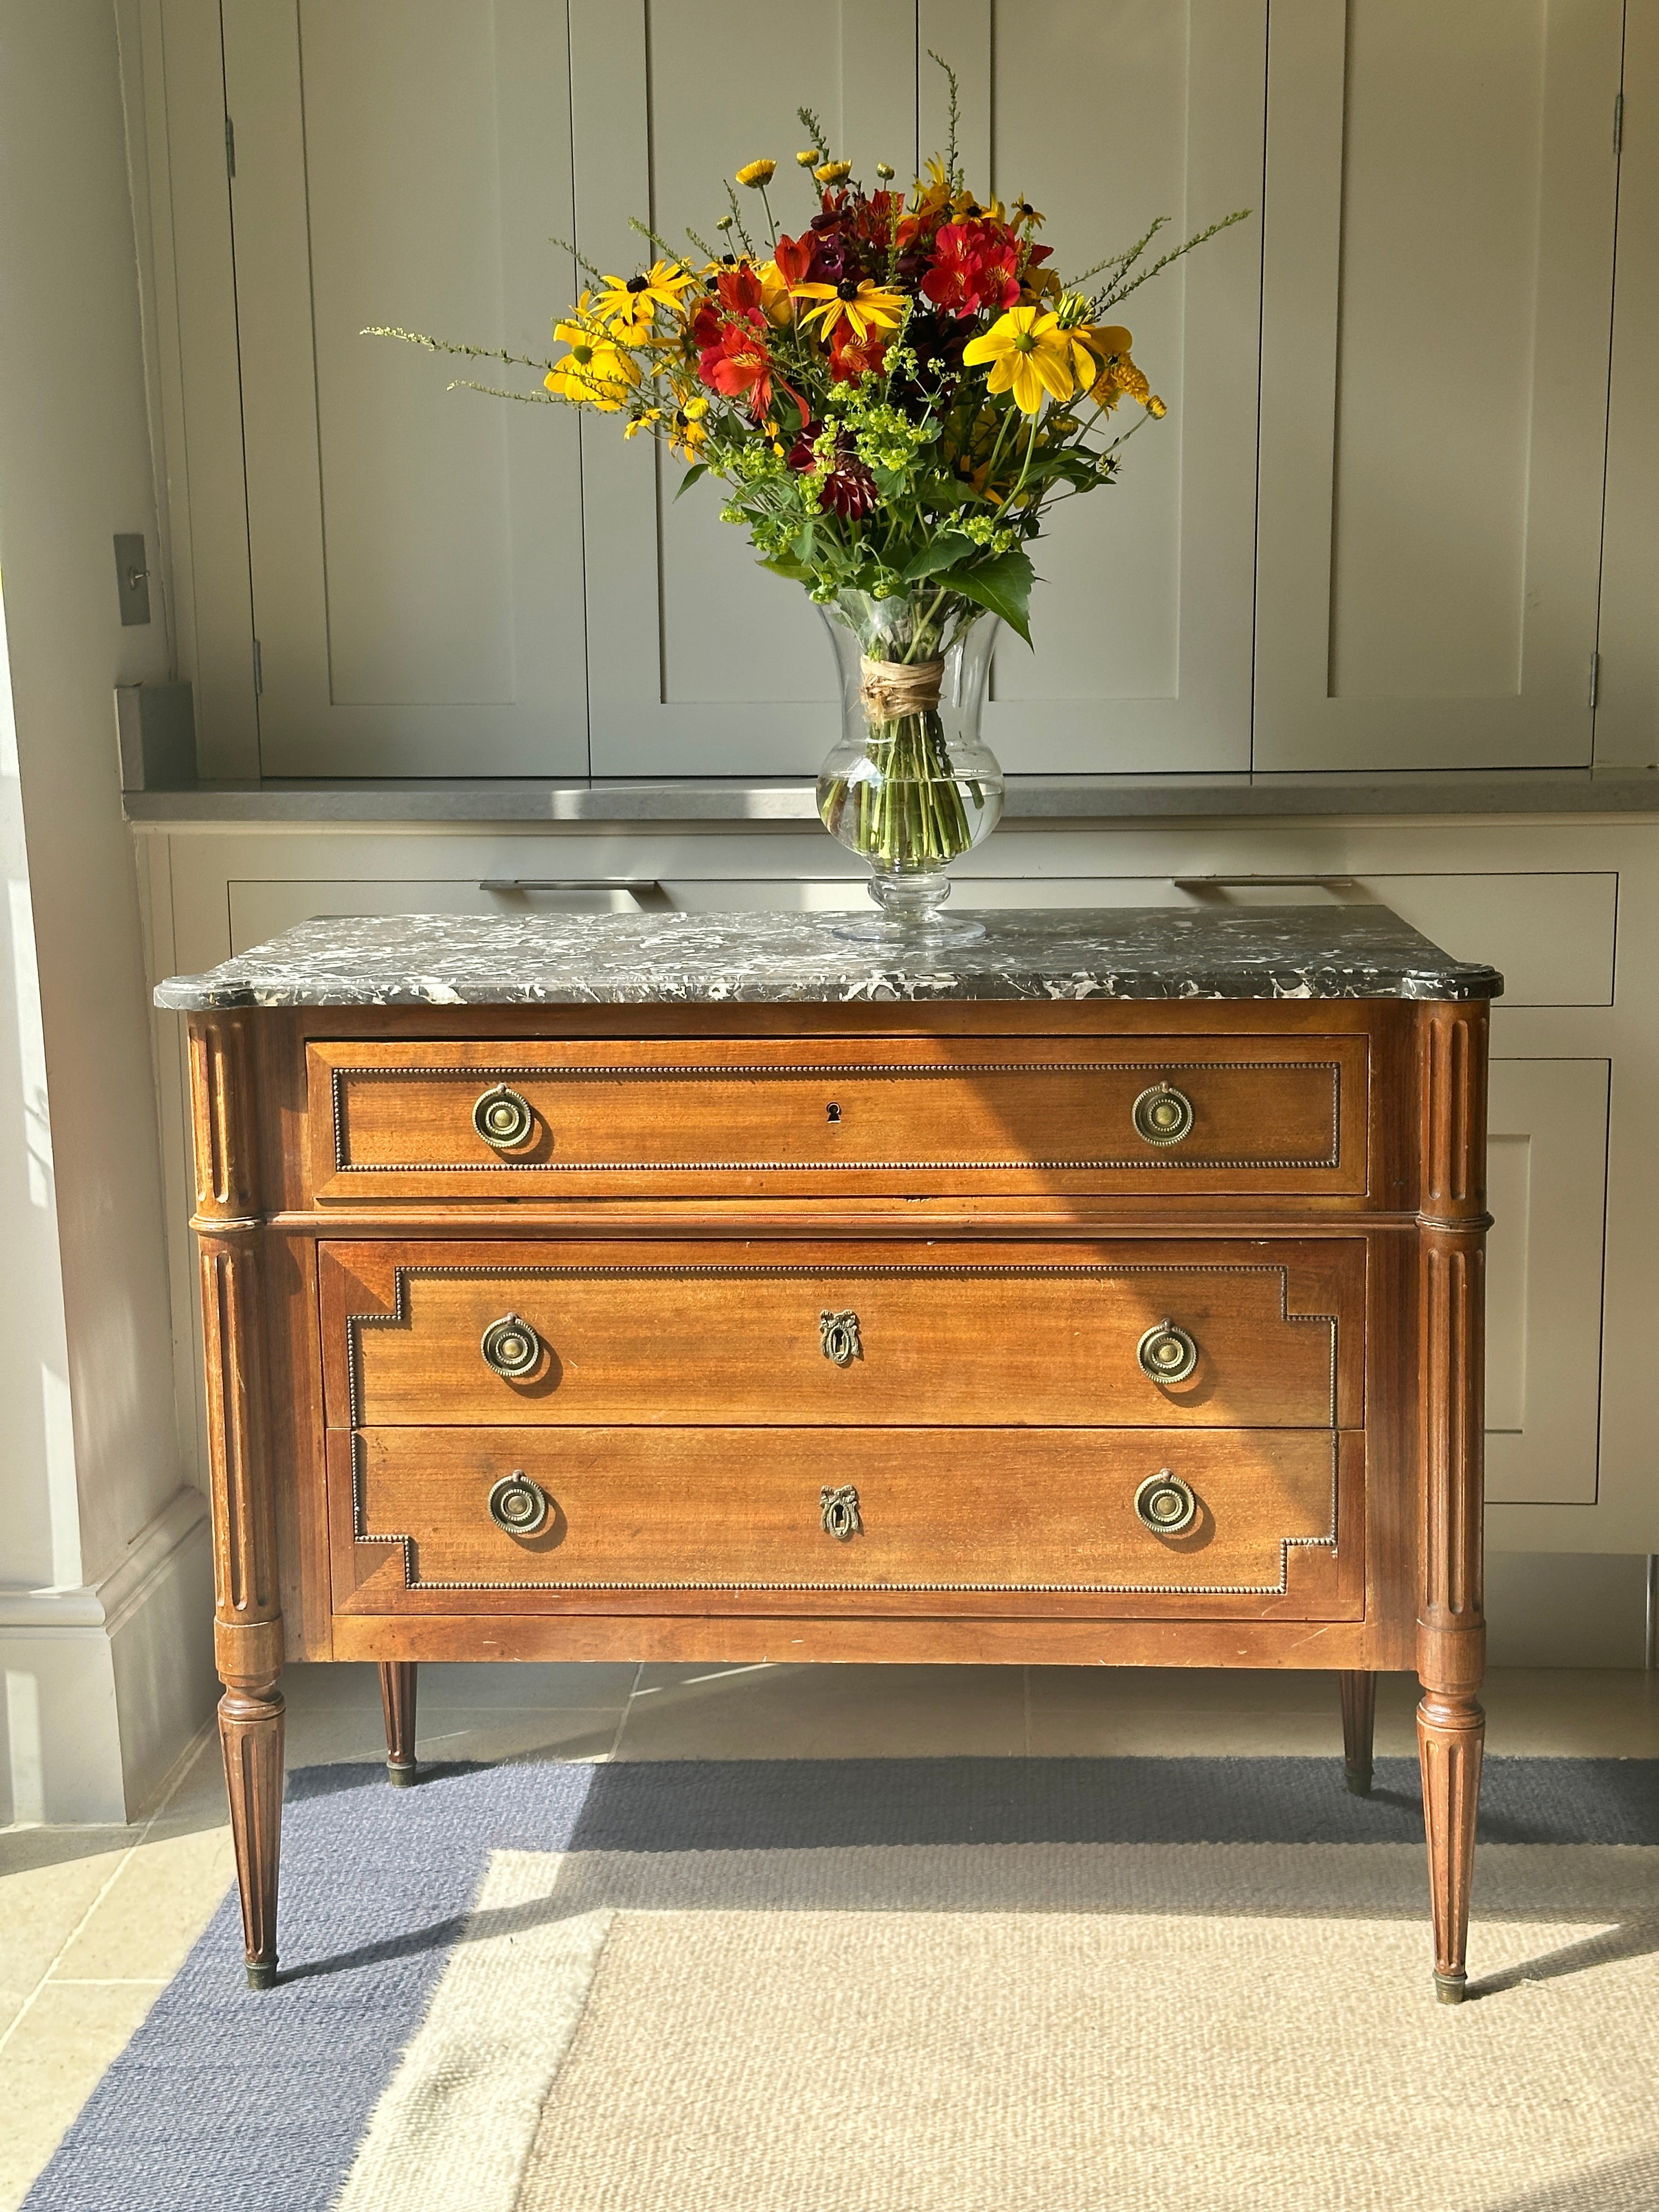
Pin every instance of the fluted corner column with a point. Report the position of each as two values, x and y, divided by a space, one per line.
1451 1629
247 1605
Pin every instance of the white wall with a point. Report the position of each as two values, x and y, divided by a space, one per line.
102 1561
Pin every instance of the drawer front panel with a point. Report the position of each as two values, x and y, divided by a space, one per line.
1263 1334
1193 1113
816 1511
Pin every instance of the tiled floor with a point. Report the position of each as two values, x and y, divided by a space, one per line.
94 1921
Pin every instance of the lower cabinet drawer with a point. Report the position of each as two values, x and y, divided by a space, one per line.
463 1521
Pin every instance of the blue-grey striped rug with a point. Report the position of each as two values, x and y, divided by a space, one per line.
226 2098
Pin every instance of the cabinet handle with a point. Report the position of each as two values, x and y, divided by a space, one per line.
1162 1115
1166 1353
511 1346
838 1513
517 1504
838 1337
645 896
502 1118
1166 1504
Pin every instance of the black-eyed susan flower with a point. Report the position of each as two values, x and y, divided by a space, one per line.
863 306
626 306
1029 355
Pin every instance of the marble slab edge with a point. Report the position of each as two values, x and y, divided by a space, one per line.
783 958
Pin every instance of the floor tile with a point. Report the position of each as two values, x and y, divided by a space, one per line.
159 1903
50 2064
825 1712
49 1880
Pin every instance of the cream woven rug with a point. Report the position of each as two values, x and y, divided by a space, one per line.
1040 2027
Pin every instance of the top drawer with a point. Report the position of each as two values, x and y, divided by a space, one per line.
469 1118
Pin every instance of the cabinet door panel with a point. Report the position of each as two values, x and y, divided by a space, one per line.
1546 1176
1436 310
701 661
1106 116
416 551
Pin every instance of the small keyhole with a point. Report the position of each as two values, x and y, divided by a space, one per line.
832 1112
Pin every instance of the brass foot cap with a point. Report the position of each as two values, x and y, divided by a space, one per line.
401 1778
262 1973
1359 1783
1449 1988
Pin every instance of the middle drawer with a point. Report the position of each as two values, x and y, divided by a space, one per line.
1233 1334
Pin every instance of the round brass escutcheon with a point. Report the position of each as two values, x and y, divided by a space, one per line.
517 1504
1167 1354
1162 1115
1166 1504
502 1119
511 1346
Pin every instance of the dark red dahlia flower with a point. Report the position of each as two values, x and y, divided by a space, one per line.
848 488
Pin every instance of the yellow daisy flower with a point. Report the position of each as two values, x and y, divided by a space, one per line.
867 307
1030 356
833 173
756 173
595 371
1118 373
629 305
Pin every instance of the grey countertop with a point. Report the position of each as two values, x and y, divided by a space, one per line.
1119 952
763 799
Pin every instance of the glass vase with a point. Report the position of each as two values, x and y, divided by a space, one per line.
910 785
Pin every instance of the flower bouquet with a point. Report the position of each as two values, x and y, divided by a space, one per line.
894 398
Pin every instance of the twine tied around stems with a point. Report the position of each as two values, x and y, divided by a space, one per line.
892 689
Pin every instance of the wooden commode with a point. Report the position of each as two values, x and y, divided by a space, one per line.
1108 1291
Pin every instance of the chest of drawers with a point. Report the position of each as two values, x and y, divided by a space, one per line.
561 1299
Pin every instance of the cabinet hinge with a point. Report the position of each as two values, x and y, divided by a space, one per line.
259 673
1595 676
1618 122
230 148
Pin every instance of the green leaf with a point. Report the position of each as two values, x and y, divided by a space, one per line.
783 566
1003 585
698 469
943 553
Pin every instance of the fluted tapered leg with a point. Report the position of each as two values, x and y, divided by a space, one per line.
250 1737
1358 1728
397 1702
1451 1732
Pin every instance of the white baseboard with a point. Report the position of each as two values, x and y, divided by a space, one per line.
106 1684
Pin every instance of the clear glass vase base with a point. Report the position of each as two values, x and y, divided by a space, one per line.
883 933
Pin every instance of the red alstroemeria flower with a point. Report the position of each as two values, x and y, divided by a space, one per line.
851 358
794 258
740 362
973 268
740 288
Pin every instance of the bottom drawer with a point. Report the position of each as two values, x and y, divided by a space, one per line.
827 1515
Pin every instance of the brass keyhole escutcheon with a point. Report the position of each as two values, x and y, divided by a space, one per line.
1166 1504
838 1513
1166 1353
517 1504
511 1346
503 1119
838 1337
1162 1115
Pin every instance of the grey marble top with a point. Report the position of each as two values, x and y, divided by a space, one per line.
1358 951
760 800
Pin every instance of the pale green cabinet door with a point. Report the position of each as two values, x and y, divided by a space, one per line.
416 553
1442 186
701 663
1106 115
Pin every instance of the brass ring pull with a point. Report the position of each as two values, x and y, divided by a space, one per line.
511 1346
838 1514
502 1119
1162 1115
517 1504
1166 1504
1166 1353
